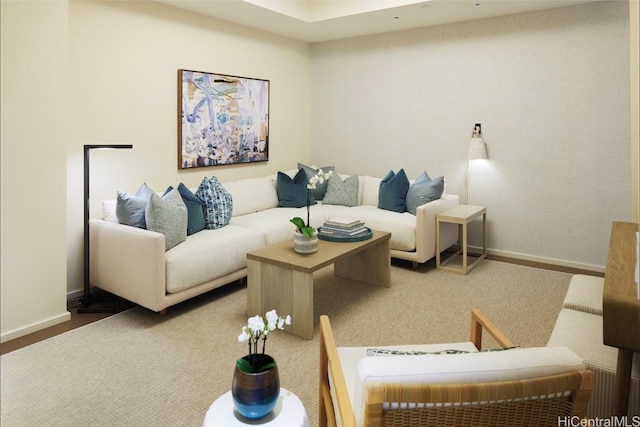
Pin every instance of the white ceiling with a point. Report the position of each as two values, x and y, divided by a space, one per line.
321 20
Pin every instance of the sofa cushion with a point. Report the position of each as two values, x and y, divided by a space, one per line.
168 215
582 333
274 223
370 190
217 203
189 264
311 171
130 207
341 192
292 192
195 212
393 191
402 226
252 195
423 190
585 294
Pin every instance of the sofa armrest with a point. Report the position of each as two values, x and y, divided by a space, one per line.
426 227
128 262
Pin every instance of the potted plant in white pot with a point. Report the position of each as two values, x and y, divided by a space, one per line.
305 237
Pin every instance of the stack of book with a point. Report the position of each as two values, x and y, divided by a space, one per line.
343 227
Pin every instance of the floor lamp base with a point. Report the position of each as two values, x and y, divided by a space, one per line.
86 307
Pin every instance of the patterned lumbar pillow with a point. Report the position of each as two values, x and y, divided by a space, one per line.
341 192
217 203
391 352
168 215
130 207
393 191
424 190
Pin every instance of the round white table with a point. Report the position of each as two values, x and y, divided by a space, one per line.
288 412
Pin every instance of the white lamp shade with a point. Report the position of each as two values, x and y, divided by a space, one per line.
477 149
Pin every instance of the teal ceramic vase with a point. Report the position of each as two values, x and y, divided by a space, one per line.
255 394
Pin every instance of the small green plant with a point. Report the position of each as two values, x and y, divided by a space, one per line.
301 226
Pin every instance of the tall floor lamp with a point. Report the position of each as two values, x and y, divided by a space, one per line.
87 299
477 151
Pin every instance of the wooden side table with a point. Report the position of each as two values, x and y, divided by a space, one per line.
621 308
461 215
289 412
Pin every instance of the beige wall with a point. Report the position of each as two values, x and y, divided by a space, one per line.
34 149
121 61
551 89
123 67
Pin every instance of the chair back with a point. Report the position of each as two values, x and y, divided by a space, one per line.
449 390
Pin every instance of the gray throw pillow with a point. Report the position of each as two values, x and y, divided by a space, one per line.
168 215
424 190
341 192
393 191
321 189
130 207
217 203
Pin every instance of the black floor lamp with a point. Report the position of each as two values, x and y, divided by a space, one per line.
87 298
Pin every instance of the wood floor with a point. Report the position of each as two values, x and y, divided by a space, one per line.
102 299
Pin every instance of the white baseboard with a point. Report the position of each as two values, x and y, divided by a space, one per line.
541 260
35 327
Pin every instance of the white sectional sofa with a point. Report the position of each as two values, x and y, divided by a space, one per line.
132 262
579 327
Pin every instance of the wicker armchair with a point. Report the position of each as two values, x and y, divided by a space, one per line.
561 393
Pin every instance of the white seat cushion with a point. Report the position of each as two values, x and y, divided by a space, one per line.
585 294
514 364
402 226
350 356
188 265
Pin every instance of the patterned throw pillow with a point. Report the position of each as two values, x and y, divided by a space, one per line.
393 191
424 190
167 215
341 192
130 208
217 203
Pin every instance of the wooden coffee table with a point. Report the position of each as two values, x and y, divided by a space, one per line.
281 279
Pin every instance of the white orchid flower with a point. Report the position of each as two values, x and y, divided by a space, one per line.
244 337
272 320
256 324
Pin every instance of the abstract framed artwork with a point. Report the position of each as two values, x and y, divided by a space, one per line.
222 119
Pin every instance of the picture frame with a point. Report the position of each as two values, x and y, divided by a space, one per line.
222 119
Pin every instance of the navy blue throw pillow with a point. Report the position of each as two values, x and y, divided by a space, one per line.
393 191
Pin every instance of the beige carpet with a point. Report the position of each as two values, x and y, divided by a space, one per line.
140 369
